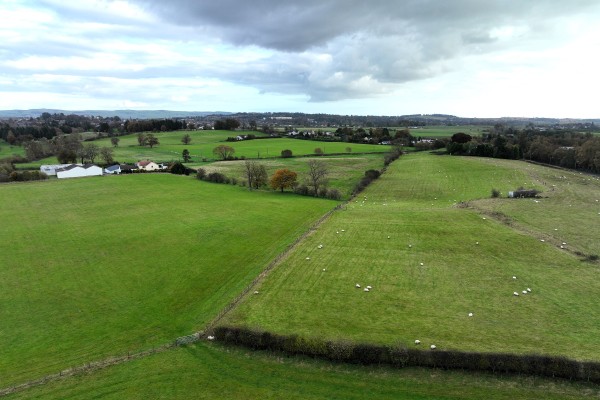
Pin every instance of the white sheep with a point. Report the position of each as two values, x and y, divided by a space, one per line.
542 240
320 246
409 246
256 292
421 264
388 237
514 277
211 338
476 242
524 292
529 290
308 258
357 285
369 287
417 341
515 294
433 347
366 289
324 270
470 314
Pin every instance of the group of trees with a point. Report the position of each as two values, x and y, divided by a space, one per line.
147 139
561 148
227 124
67 149
153 125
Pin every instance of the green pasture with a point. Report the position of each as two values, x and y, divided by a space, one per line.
100 266
213 372
203 143
443 131
6 150
344 171
431 262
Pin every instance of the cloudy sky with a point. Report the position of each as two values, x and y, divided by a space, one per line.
472 58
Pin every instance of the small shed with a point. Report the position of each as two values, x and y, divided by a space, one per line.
113 169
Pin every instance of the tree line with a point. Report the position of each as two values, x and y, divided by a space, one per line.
574 150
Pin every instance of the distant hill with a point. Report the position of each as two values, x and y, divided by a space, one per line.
124 114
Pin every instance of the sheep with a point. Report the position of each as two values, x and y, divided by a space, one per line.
256 292
542 240
524 292
366 289
357 285
421 264
470 314
515 294
410 246
324 270
343 230
369 287
476 242
388 237
308 258
514 277
211 338
529 290
417 342
320 246
433 347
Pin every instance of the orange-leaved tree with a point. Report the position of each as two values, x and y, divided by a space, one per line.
283 178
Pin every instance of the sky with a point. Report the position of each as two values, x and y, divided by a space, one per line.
470 58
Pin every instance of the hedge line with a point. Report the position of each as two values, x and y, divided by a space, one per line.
400 357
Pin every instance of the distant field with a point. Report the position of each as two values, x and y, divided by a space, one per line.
203 143
410 216
344 171
93 267
447 131
213 372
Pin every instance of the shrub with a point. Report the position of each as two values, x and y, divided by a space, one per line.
319 151
215 177
372 174
201 174
495 193
334 194
178 169
302 190
322 192
233 181
286 153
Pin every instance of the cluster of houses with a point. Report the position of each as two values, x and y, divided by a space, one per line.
62 171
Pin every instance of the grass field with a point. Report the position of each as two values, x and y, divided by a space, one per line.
344 171
101 266
213 372
446 131
7 150
459 262
203 143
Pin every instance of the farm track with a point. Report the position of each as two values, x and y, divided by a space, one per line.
511 223
183 340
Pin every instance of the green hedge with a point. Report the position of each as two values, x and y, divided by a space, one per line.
400 357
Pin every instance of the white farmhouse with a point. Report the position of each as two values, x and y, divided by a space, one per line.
78 171
147 165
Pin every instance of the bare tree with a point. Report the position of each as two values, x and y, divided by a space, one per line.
317 175
223 151
107 154
91 151
256 174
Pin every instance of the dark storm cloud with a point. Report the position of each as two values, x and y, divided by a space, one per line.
372 45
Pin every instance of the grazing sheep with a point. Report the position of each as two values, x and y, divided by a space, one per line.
422 264
366 289
357 285
470 314
528 289
524 292
324 270
256 292
417 341
515 294
369 287
476 242
433 347
388 237
343 230
211 338
409 246
514 277
308 258
542 240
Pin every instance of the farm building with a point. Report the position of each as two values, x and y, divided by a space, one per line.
148 165
113 169
78 171
50 170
